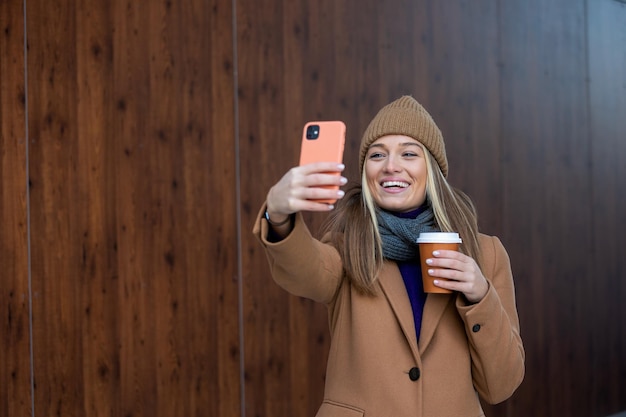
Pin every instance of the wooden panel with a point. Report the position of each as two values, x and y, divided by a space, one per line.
547 209
55 228
295 65
607 106
15 381
461 77
285 337
134 220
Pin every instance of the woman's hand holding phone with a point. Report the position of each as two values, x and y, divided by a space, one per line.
303 188
314 184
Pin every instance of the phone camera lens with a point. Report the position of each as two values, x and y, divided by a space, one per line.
313 132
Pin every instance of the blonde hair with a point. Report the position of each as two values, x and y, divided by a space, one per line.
454 210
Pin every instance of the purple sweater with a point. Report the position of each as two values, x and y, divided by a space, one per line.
412 277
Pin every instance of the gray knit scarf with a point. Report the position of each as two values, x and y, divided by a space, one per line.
399 235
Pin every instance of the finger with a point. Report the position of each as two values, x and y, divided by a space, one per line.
451 285
452 254
448 274
322 193
320 179
447 263
312 205
445 284
317 167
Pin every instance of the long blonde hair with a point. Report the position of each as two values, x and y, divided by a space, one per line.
353 228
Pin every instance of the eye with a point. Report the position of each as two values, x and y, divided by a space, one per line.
410 154
376 155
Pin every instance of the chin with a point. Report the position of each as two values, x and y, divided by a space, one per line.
400 208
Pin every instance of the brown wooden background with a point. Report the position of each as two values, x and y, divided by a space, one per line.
140 138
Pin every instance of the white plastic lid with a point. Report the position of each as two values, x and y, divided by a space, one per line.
439 237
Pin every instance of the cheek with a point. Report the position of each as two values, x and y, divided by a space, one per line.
419 195
370 182
420 174
420 180
369 175
373 189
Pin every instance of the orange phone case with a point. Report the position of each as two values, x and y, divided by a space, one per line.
323 142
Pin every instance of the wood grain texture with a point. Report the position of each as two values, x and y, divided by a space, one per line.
607 286
462 81
15 366
547 209
135 165
286 71
134 226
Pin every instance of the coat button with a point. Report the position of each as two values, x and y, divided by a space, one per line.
414 374
476 328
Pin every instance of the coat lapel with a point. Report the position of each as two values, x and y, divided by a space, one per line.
393 286
433 310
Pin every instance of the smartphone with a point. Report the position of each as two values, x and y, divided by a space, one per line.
323 142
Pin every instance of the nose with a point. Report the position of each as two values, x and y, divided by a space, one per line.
391 165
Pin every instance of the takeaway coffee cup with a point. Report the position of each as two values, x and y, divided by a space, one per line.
429 242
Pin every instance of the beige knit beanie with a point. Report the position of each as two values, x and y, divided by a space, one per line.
406 116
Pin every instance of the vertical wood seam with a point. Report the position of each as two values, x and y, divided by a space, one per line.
242 367
27 197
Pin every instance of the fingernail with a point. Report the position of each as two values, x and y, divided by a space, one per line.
431 271
429 261
436 253
341 166
341 193
344 180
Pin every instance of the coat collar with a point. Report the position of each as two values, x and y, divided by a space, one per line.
393 287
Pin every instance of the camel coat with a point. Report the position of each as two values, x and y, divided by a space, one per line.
376 367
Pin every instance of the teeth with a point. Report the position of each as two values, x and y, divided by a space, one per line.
395 184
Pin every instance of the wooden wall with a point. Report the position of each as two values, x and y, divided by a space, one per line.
15 339
133 245
139 140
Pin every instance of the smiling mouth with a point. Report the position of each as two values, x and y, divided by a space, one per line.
395 184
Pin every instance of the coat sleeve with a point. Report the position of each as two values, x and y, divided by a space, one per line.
301 264
493 330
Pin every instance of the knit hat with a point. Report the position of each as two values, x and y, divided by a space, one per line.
407 117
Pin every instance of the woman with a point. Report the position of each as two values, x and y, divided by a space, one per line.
396 351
